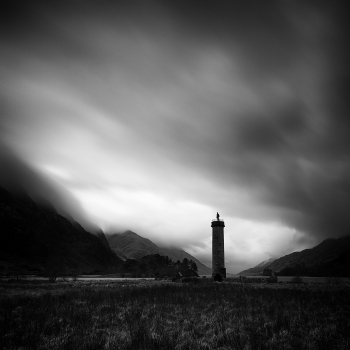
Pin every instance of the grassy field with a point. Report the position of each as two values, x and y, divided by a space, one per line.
151 315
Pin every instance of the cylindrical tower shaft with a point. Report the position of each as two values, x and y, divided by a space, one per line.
218 258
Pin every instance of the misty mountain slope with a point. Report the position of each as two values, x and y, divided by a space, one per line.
266 262
94 230
101 235
18 177
132 246
324 252
257 270
327 253
31 236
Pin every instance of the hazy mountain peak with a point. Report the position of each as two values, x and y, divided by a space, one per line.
130 245
130 233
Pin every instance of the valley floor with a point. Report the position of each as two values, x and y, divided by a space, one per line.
147 314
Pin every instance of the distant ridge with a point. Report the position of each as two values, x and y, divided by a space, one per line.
329 255
257 270
132 246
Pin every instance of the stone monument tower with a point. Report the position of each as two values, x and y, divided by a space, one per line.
218 259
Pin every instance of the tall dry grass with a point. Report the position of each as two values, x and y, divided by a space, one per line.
206 316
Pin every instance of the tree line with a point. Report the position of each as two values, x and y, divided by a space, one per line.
156 265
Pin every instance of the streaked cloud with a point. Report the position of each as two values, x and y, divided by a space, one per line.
156 115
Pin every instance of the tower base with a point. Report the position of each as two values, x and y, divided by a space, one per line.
222 272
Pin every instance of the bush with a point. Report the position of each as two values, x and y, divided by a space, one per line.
190 280
272 279
297 280
333 280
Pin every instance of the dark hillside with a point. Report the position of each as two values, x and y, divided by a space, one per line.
33 237
329 258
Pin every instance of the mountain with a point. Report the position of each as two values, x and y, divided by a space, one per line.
102 237
330 256
94 230
34 236
257 270
129 245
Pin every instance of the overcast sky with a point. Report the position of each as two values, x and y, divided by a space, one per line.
153 116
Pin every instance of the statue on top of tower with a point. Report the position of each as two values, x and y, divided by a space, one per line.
217 216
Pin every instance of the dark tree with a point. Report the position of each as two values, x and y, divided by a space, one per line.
194 267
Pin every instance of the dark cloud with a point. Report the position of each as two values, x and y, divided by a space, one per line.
240 107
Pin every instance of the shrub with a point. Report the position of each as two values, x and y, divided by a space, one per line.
273 279
333 280
190 280
297 280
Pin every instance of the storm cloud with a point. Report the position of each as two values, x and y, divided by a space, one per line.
155 115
